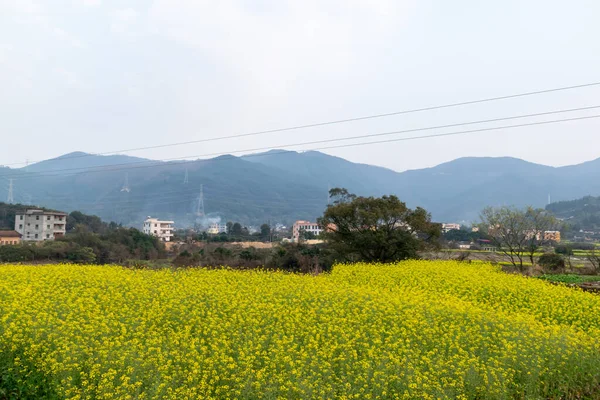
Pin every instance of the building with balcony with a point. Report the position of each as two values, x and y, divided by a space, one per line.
161 229
39 225
215 229
305 226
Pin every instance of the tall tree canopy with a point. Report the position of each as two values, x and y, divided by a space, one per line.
373 229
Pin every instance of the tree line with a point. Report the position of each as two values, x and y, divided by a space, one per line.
88 240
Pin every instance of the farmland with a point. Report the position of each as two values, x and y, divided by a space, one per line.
416 329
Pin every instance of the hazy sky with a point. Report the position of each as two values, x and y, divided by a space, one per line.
99 75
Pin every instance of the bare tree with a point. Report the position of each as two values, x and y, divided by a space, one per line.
517 234
593 257
540 222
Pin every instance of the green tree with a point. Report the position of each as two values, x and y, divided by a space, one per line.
307 235
265 232
376 229
236 229
90 222
82 255
552 262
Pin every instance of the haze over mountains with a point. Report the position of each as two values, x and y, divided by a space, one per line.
282 186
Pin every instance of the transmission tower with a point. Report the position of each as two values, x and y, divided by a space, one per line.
125 187
200 205
11 198
186 179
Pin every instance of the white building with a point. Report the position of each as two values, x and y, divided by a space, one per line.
38 225
215 229
450 227
161 229
305 226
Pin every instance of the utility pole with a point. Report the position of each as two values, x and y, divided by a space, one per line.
11 198
125 187
270 231
186 179
200 205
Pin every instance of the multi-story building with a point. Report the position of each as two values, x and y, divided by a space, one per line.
38 225
305 226
547 236
161 229
215 229
9 237
450 227
552 236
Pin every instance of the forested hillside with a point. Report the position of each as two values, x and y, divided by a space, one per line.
581 214
284 186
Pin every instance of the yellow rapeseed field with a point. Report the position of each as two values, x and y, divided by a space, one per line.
413 330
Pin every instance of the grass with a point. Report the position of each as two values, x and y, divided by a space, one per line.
415 330
570 278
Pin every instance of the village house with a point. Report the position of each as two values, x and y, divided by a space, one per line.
9 238
38 225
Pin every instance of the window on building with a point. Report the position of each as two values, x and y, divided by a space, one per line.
155 231
47 226
21 217
36 235
28 224
37 227
155 225
37 217
48 218
47 236
20 226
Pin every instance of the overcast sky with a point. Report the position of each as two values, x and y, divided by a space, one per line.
100 75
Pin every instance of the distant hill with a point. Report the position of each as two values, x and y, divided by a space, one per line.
282 186
581 214
81 160
325 171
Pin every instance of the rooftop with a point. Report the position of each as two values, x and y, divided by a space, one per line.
41 212
150 219
10 234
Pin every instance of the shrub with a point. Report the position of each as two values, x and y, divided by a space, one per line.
551 262
564 249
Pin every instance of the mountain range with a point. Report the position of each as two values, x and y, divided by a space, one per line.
283 186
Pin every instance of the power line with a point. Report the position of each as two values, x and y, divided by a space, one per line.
326 123
10 199
164 162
